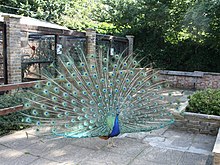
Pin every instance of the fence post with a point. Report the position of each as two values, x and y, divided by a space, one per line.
13 30
130 43
91 44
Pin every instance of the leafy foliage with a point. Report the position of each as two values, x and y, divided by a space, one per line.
173 34
9 100
207 102
11 121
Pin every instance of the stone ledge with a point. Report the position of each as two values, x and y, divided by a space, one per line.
180 73
197 123
202 116
216 150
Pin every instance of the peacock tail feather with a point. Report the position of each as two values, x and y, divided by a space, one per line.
85 96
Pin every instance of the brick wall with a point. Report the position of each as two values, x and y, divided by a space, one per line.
197 123
192 80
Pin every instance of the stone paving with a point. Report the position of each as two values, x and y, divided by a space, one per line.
161 147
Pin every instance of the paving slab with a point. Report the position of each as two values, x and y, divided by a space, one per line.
161 147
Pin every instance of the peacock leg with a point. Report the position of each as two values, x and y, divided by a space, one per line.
113 144
108 145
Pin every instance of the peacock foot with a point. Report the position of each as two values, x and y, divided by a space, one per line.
111 143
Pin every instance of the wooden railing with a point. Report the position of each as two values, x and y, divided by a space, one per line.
9 87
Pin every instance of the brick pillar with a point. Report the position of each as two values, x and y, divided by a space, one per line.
13 30
130 43
90 44
90 41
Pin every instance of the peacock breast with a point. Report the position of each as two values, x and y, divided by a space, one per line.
116 128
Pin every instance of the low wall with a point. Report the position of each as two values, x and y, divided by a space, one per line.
197 123
192 80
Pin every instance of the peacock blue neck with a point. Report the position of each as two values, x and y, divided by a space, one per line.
116 128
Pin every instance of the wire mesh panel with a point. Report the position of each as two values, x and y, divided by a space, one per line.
37 55
119 47
109 45
72 46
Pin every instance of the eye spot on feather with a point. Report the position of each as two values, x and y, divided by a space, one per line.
48 83
85 74
105 60
28 120
43 106
73 74
66 113
55 108
154 77
53 130
65 95
135 63
115 66
88 84
45 92
79 83
34 112
56 90
82 64
27 105
105 69
64 103
61 77
68 64
83 109
116 56
53 122
102 80
37 86
85 123
38 123
92 55
92 66
46 114
118 81
84 93
143 74
75 93
148 83
94 76
131 72
68 85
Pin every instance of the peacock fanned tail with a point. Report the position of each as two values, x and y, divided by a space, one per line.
85 97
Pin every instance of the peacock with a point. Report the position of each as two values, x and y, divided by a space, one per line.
99 95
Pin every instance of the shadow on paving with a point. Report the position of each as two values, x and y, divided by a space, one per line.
161 147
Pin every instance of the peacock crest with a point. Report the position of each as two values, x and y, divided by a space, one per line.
99 95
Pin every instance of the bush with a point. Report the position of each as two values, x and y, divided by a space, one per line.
10 100
206 102
11 121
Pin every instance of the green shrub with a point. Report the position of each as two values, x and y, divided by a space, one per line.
10 100
206 102
11 121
